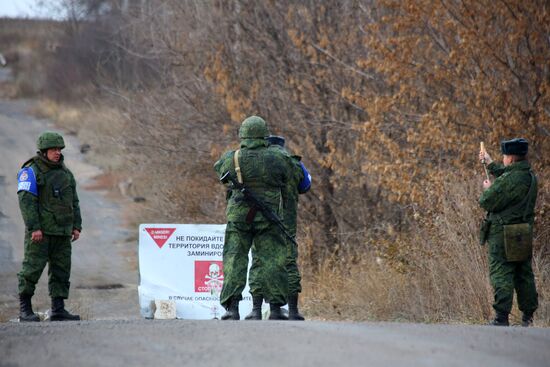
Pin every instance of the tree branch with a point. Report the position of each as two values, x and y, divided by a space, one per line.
349 67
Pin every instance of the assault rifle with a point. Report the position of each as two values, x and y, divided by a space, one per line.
256 203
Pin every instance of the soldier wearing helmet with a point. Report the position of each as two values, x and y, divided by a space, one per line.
51 212
266 172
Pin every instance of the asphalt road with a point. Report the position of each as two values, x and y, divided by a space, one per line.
268 343
104 291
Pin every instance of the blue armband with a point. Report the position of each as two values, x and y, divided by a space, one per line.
26 181
305 183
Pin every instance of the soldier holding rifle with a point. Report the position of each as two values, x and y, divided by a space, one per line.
257 177
509 200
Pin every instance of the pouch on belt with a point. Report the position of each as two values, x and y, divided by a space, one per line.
518 241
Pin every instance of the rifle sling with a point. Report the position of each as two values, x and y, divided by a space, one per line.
253 210
237 166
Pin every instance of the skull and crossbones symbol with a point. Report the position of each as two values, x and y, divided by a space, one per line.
214 279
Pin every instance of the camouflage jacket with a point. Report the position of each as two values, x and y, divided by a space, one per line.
53 205
508 190
266 172
290 193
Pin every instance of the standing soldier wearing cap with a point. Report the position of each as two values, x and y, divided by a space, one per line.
265 172
508 229
299 183
51 212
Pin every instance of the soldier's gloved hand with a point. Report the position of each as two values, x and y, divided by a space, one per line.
487 184
37 236
76 235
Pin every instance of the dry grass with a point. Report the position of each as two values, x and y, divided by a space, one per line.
96 124
541 268
445 279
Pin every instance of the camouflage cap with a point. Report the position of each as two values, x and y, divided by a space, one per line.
517 146
50 139
253 127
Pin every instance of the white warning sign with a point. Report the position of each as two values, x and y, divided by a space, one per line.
183 263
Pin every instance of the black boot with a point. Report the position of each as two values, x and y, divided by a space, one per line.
527 319
256 313
293 313
25 309
59 313
275 312
232 311
501 319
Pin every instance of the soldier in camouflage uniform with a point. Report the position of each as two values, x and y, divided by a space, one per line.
266 173
510 202
299 183
51 212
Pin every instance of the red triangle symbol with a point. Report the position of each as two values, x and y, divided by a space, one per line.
160 235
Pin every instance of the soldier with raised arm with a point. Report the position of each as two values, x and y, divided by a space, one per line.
508 229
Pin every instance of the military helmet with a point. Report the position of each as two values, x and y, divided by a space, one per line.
253 127
517 146
50 139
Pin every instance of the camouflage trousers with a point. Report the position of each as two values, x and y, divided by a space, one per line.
269 257
54 250
294 277
508 276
